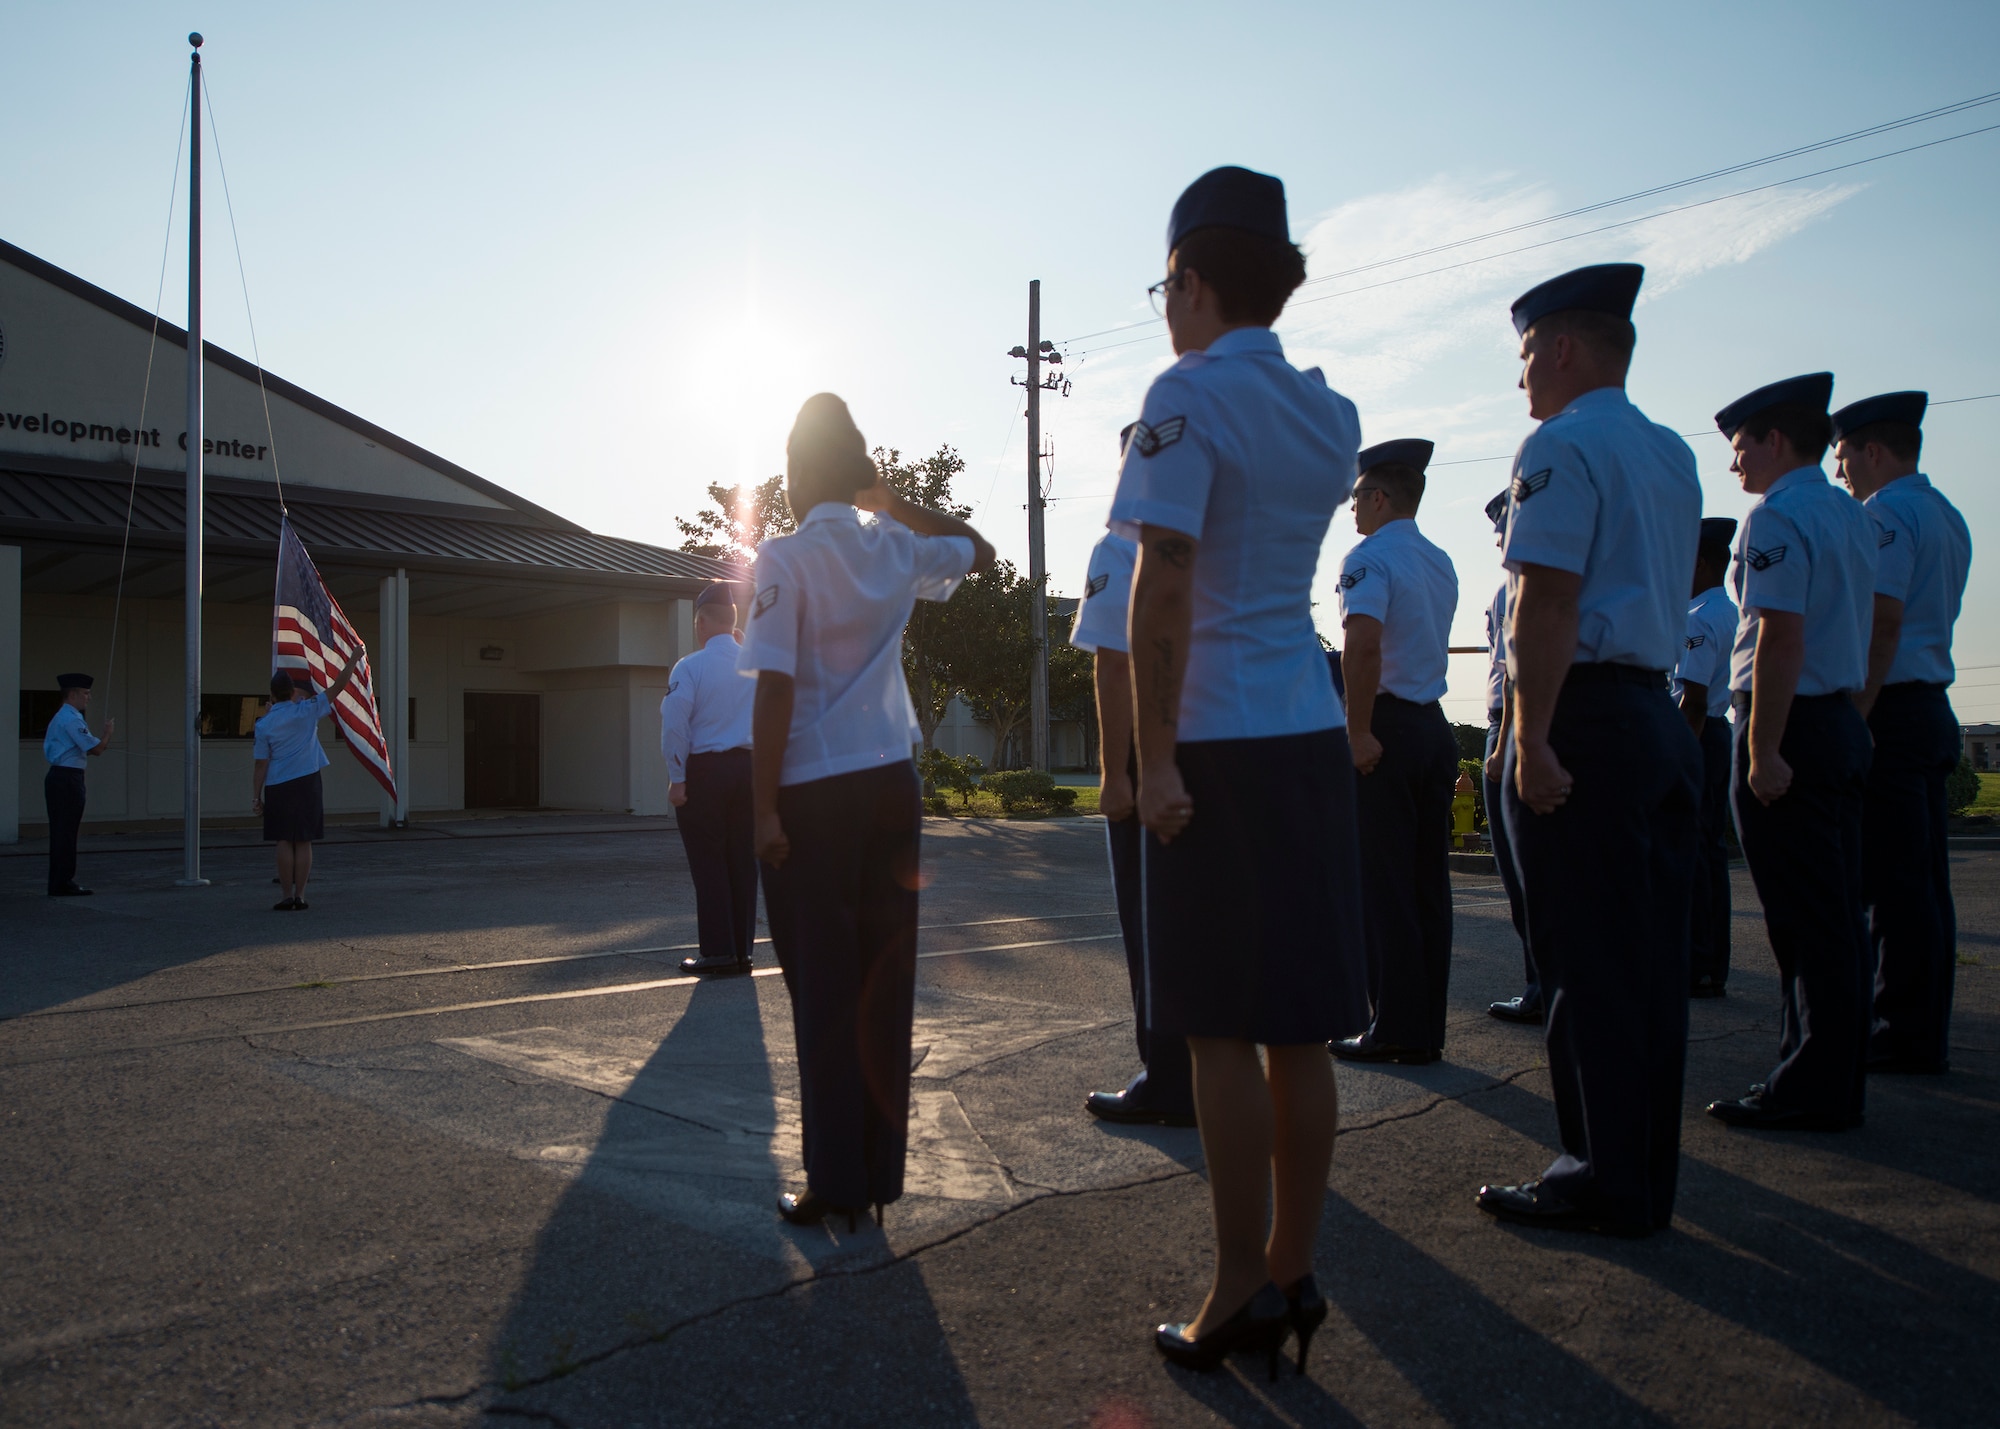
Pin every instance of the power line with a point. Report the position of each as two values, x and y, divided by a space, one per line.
1874 130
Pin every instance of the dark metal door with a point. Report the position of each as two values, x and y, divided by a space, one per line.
503 751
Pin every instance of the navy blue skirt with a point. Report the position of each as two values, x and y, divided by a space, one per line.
1253 914
295 811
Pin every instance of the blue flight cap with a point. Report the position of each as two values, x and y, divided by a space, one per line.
1412 452
1230 197
1905 407
1718 530
1601 288
74 682
1813 390
1496 509
720 593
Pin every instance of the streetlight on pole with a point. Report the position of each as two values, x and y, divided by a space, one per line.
1038 351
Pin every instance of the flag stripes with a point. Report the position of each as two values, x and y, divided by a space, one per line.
311 636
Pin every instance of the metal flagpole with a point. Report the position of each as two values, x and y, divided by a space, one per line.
191 722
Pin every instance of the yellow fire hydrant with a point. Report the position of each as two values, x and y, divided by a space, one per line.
1463 808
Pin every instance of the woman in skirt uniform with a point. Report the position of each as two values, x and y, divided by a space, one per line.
1246 787
836 795
286 758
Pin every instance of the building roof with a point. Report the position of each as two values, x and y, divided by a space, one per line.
84 506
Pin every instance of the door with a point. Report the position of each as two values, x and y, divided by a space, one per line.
503 751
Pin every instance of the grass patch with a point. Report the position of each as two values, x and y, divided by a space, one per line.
1988 801
987 806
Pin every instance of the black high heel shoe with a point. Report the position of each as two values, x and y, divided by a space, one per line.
1260 1326
809 1208
1307 1309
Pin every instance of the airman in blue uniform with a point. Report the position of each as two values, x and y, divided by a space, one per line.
1163 1091
1398 594
1923 553
1805 577
1527 1007
68 746
1604 780
1701 689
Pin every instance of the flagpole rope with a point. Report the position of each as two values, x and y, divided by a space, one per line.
145 395
257 357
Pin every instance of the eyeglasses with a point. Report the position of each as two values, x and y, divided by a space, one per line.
1361 491
1157 294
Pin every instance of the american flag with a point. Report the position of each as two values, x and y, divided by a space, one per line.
310 633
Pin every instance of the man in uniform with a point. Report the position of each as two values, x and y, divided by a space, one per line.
1701 689
1805 573
1163 1091
1398 593
705 738
1528 1006
68 746
1923 552
1603 778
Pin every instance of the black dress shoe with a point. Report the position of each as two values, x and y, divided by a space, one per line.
1753 1113
1907 1066
1517 1009
1138 1106
1366 1049
809 1208
69 890
1261 1326
1533 1204
716 967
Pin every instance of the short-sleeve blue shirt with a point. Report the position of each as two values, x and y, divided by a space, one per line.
1923 554
1498 649
1603 493
288 736
1251 457
1810 550
1711 631
1107 595
68 741
1398 577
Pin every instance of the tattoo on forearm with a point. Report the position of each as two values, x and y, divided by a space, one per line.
1176 551
1165 705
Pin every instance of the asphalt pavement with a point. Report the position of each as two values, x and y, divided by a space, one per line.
458 1145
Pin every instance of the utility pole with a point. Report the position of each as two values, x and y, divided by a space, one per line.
1037 352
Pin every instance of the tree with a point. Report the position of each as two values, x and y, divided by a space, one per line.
743 519
1073 684
987 651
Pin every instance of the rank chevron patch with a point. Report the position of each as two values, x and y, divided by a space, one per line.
1152 440
1096 584
766 598
1526 486
1764 560
1886 538
1350 579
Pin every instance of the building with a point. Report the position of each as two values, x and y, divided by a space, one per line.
519 659
1981 744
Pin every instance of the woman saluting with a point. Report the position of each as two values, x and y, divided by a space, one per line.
836 794
1252 924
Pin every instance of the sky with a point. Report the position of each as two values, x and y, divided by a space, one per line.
600 253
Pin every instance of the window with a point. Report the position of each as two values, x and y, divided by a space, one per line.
38 707
231 716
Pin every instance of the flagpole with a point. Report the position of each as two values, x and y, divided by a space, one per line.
191 722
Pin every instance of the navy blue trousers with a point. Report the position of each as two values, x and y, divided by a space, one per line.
62 791
1510 874
1906 873
1606 878
1708 928
843 913
717 830
1169 1069
1403 810
1804 851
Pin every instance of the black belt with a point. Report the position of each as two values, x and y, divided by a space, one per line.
1740 701
1606 672
1383 697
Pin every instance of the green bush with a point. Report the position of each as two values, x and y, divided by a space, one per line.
1961 787
1062 796
936 804
944 771
1015 787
